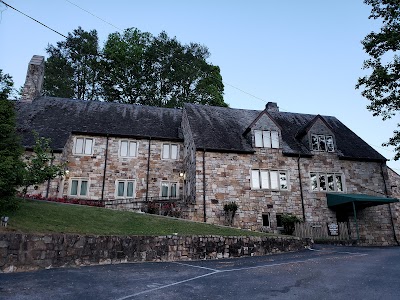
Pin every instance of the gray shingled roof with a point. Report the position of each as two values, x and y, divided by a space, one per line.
57 118
213 128
221 129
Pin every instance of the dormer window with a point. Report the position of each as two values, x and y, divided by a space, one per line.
266 139
321 142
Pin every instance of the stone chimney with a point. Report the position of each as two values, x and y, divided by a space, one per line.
34 79
272 106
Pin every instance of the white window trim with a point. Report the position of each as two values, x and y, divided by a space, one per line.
170 148
326 144
79 179
269 142
269 180
129 143
318 190
125 188
84 143
169 189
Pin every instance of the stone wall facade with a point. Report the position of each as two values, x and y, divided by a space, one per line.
228 178
147 169
26 252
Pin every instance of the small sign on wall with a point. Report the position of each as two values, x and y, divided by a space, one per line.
333 229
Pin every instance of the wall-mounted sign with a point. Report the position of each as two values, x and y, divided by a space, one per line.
333 229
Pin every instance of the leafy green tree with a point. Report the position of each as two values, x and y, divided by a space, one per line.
133 67
40 165
6 86
124 79
73 66
11 165
382 86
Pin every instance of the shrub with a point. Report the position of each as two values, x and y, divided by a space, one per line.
288 222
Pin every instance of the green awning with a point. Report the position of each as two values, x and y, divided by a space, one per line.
336 199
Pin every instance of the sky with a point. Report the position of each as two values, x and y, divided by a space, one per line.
305 55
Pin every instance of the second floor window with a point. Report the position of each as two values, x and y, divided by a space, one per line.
320 142
83 146
170 151
266 139
269 180
127 148
326 182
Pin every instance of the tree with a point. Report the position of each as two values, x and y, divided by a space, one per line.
124 79
133 67
11 165
6 86
40 166
73 66
382 86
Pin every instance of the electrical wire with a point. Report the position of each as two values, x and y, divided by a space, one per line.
32 18
179 60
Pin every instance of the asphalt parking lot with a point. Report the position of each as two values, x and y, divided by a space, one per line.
325 272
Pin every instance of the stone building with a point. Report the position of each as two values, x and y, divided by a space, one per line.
202 157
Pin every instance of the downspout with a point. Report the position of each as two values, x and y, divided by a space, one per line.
104 170
148 171
48 180
301 190
204 186
390 208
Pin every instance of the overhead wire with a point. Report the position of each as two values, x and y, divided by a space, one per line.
179 60
48 27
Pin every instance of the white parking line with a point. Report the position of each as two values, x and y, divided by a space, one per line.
165 286
344 252
194 266
238 269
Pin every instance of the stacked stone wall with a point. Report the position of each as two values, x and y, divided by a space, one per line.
134 168
227 178
25 252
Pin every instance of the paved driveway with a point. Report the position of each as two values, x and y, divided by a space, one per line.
326 272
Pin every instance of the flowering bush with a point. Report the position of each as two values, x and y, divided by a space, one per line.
166 209
97 203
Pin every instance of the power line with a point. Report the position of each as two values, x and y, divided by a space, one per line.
94 15
226 83
33 19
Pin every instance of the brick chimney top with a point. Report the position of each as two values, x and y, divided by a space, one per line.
34 79
272 106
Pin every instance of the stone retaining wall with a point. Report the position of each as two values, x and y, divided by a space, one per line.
26 252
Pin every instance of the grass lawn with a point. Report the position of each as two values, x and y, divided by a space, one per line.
44 217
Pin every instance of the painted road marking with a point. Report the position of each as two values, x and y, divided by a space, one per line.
238 269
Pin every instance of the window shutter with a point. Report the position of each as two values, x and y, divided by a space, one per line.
274 139
124 148
174 151
258 138
88 146
255 179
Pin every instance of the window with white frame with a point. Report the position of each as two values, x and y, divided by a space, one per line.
266 139
169 189
320 142
83 146
170 151
127 148
79 187
125 188
269 180
326 182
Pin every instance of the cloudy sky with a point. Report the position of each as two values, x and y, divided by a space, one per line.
305 55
